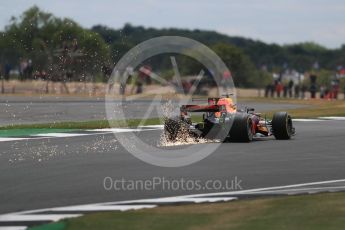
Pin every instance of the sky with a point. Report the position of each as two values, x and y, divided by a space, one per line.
271 21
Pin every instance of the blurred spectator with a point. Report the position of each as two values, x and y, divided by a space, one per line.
37 75
267 90
285 88
7 71
290 88
127 78
335 88
143 77
106 71
297 91
186 85
22 69
44 75
327 94
303 90
272 89
313 90
29 69
279 88
322 91
2 78
145 73
139 85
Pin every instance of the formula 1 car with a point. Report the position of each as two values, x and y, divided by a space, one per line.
222 120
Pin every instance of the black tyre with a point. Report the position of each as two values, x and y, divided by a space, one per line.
282 126
241 129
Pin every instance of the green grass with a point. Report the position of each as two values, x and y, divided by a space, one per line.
308 212
95 124
313 109
51 226
317 108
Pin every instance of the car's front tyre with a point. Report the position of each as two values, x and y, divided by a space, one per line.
282 126
241 129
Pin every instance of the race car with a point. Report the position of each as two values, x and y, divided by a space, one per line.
223 121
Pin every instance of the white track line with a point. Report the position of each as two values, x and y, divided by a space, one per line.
152 126
12 139
124 130
205 197
178 199
306 120
267 189
13 228
101 208
151 203
118 130
59 134
294 190
333 118
36 217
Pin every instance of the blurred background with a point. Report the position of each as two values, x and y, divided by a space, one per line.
291 49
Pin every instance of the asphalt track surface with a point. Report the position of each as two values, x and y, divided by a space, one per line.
47 109
44 173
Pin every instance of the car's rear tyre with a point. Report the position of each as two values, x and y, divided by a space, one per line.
282 126
241 129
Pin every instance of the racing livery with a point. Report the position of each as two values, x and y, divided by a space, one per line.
222 120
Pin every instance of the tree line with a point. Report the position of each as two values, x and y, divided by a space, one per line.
59 49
